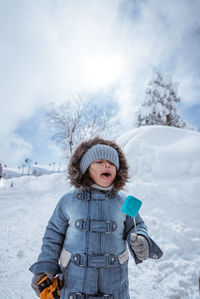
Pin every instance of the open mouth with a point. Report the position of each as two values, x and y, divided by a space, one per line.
106 175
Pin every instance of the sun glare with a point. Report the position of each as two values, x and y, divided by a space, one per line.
102 71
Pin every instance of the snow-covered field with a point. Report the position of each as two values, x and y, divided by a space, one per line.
165 175
36 170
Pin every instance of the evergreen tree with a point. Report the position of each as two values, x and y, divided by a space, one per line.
161 104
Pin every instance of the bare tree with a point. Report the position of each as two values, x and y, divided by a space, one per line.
79 119
53 164
28 162
1 171
23 166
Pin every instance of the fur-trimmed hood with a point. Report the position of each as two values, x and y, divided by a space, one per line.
78 180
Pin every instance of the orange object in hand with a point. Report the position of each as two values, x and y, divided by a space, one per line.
48 289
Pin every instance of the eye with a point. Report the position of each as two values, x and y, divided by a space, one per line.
98 162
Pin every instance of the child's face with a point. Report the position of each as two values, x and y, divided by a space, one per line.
102 172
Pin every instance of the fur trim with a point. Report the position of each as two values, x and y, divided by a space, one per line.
85 181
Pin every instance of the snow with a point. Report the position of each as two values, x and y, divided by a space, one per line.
165 170
36 170
162 151
161 90
161 104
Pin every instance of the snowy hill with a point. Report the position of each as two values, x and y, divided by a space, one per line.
165 175
165 169
162 151
35 170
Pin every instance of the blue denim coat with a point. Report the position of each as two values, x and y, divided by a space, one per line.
90 228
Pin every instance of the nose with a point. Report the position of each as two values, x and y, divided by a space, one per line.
107 164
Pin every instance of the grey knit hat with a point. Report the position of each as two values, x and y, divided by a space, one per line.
97 152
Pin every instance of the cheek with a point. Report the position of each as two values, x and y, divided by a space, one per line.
92 170
93 173
114 178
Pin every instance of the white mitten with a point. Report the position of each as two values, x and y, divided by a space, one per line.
140 246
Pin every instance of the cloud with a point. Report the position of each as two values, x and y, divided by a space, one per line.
51 49
57 150
14 149
161 37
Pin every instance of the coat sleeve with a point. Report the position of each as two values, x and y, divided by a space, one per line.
154 251
52 243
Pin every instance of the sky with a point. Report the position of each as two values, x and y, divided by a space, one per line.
53 49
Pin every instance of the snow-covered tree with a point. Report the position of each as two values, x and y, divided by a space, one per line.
161 104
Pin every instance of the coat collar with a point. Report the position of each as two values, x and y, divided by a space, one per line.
95 194
95 186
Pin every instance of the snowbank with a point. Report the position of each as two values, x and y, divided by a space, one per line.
162 151
36 170
165 175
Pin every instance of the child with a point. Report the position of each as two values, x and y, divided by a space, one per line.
87 235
